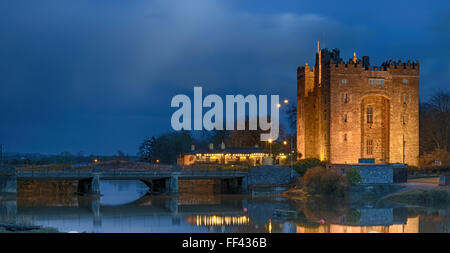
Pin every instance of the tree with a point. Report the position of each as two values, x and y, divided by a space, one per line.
291 111
434 123
166 148
146 149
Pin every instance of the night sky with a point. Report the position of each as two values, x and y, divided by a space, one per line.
98 76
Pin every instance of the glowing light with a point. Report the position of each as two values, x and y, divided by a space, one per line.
284 142
278 105
270 226
220 220
286 101
270 140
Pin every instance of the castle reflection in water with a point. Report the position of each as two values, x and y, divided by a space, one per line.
125 207
411 225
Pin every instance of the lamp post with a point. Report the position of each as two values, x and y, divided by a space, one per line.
96 167
291 148
270 146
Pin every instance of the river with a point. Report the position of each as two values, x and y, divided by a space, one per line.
125 207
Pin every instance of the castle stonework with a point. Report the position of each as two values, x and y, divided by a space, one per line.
350 110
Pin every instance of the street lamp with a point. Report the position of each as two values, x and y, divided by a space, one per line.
95 167
285 142
270 146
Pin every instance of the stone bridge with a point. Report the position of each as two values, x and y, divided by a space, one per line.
163 181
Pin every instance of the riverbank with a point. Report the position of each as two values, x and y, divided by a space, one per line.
430 197
14 228
420 191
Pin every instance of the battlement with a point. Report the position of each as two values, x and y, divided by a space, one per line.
385 66
305 68
332 59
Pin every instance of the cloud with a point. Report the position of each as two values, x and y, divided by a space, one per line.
106 70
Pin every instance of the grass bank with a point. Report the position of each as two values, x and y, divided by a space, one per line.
433 197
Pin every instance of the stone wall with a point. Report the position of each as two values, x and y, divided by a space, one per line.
8 183
373 174
270 175
370 173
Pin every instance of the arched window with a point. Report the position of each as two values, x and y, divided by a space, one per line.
369 114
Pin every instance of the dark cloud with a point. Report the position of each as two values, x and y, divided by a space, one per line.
99 76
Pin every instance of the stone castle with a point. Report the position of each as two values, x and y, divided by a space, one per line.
350 110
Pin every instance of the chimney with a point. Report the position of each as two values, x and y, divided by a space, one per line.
211 146
192 147
222 146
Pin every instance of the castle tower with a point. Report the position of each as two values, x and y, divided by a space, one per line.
350 110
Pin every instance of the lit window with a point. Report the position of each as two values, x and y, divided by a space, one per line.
404 99
369 149
369 115
405 81
344 81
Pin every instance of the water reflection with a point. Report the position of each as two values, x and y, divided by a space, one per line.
125 207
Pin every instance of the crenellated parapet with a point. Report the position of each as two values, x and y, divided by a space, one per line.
362 65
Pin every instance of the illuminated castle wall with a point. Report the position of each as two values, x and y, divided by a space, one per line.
350 110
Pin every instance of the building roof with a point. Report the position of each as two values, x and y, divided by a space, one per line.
228 151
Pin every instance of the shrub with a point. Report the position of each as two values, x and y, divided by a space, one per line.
303 165
353 176
323 181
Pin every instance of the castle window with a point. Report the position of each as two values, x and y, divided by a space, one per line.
345 137
325 115
346 98
404 99
369 148
376 82
344 81
405 81
369 115
345 118
403 119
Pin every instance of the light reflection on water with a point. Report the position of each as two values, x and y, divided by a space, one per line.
125 207
121 192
